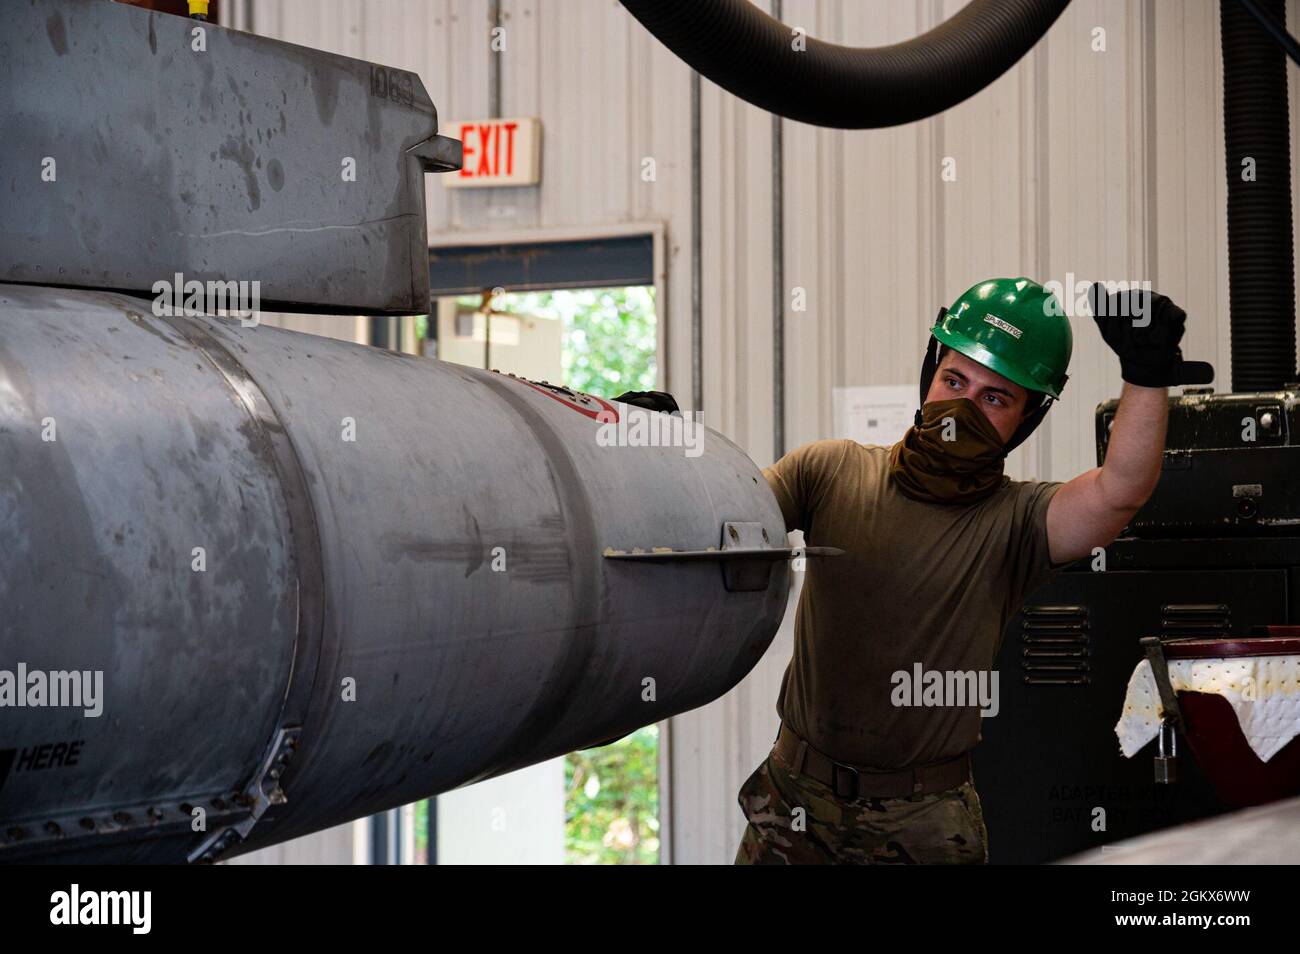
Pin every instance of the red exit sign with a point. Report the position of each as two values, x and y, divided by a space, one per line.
498 152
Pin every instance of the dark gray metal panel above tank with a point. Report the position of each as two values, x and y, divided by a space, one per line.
225 163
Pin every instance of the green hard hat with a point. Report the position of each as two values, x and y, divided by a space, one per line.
1014 327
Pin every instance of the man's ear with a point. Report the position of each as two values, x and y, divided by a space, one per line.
1033 401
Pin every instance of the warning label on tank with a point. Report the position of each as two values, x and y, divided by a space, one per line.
597 409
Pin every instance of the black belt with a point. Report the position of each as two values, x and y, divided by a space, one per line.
855 781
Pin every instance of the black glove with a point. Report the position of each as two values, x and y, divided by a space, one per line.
1144 329
650 400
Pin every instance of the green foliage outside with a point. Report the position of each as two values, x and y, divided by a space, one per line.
611 802
609 334
422 833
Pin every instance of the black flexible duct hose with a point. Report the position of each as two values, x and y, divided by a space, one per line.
1261 257
1276 30
746 52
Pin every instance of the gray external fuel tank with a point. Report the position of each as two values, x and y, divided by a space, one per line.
322 580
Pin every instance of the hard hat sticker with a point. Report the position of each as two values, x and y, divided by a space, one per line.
997 322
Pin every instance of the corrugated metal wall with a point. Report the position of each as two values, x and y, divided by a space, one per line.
1104 164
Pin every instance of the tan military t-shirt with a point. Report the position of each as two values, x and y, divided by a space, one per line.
923 583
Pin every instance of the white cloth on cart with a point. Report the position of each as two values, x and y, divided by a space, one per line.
1264 692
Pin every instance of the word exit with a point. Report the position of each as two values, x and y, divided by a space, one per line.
498 152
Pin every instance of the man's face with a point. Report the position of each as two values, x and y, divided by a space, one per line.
1002 401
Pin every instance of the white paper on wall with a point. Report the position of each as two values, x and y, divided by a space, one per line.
875 414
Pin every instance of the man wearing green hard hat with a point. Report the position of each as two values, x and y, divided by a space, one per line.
895 639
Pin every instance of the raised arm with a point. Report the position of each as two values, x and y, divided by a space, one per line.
1144 330
1090 510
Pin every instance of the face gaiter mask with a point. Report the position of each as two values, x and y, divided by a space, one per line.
954 456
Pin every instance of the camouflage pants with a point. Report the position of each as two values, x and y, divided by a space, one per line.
797 821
